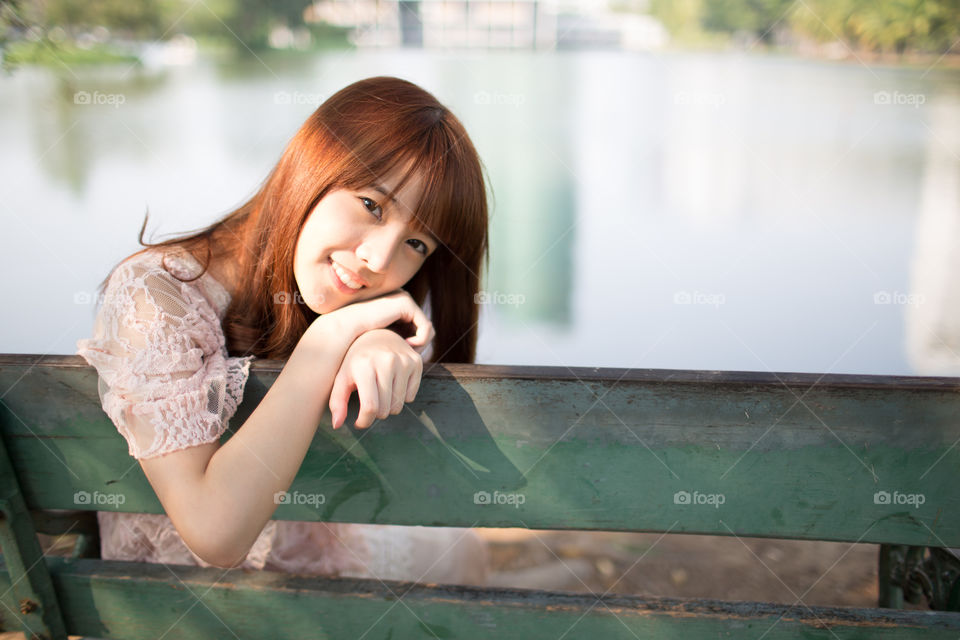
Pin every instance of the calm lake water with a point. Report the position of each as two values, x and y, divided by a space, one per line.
678 211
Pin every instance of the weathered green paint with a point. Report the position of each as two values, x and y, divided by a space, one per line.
146 601
28 601
585 448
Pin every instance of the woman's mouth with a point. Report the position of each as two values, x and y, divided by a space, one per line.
343 280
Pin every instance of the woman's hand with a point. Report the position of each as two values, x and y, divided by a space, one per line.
384 369
398 307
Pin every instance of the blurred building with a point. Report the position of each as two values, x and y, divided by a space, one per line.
490 24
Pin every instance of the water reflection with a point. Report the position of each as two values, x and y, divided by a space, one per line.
933 304
671 211
532 241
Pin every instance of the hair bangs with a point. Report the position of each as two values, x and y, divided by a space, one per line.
447 208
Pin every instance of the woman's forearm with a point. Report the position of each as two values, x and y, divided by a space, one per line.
263 457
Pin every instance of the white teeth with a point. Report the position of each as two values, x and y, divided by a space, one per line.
345 278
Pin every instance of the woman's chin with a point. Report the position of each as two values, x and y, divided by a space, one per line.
324 308
319 307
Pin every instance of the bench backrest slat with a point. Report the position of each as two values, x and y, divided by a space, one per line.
832 457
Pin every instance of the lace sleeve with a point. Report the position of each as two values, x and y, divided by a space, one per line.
165 379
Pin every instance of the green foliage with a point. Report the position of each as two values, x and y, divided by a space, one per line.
241 23
244 23
12 16
759 17
53 54
684 20
148 19
679 16
893 26
882 26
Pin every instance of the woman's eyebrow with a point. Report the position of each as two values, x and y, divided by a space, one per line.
383 190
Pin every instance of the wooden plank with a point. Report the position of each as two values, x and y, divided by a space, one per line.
29 601
135 600
801 456
56 523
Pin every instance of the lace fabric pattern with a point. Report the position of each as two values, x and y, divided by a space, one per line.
167 383
165 379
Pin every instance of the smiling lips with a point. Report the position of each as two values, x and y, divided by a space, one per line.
347 282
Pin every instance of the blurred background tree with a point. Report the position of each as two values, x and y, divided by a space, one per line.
144 20
885 26
34 27
55 25
251 21
930 26
757 17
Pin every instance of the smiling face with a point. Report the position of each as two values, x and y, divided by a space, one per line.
359 237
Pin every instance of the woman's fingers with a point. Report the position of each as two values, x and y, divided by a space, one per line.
411 312
369 395
384 382
413 384
399 392
423 336
339 399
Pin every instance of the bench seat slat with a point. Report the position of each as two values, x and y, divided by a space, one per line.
134 601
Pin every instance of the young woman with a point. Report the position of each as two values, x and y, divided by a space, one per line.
376 208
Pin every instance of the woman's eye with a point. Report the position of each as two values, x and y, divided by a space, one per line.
421 246
372 207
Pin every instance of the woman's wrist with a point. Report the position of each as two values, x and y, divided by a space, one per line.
334 326
345 322
325 338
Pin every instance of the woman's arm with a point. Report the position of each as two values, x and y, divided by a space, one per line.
219 498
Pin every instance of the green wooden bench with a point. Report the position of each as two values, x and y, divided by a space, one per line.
868 459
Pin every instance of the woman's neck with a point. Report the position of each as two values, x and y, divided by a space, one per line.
224 277
223 268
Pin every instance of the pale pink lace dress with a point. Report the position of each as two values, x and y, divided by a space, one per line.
167 383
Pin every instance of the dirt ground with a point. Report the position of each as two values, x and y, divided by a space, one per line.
674 565
689 566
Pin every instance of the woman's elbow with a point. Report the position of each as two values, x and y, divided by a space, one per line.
225 561
220 556
214 548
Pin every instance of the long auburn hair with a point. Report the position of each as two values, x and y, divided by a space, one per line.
357 136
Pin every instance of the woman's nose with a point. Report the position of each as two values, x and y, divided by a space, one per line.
378 248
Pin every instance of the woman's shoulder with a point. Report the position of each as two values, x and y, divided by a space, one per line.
171 266
174 260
